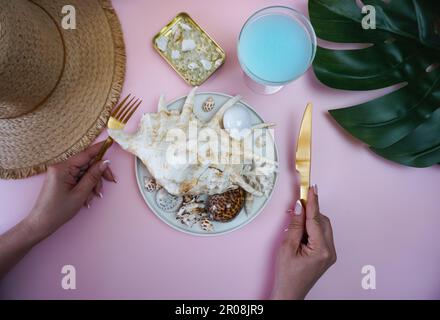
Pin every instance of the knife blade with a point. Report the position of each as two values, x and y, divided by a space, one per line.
304 152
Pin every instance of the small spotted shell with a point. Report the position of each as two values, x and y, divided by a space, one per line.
188 198
150 184
226 206
206 225
168 202
208 105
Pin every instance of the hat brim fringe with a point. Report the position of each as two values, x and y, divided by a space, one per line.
101 122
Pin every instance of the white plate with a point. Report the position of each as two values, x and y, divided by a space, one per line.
219 227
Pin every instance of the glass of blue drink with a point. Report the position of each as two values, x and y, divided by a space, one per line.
276 46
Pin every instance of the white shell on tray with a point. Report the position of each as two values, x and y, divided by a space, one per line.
217 228
236 119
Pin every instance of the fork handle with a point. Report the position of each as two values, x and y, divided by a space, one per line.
107 144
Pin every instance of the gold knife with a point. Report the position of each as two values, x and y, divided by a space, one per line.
304 152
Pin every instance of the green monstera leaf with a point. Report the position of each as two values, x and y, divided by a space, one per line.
403 126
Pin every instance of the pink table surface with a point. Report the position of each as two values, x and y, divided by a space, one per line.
383 214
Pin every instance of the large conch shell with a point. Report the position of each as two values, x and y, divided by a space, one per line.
203 176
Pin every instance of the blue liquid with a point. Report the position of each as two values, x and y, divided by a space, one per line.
275 48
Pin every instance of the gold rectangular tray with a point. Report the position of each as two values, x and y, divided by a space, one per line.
206 49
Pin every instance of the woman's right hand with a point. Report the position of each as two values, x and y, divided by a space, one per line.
307 251
68 186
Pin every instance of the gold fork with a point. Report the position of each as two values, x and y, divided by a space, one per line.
118 119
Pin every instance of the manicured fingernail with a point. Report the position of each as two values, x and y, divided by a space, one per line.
290 211
315 189
104 165
100 195
298 208
114 178
287 229
88 205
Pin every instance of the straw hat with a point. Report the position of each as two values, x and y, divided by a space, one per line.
57 86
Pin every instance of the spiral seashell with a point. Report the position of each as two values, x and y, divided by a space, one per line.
208 105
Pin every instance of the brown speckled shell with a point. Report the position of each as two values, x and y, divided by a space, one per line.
226 206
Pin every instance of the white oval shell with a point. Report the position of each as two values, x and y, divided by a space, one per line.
207 65
236 120
188 44
175 54
193 66
162 43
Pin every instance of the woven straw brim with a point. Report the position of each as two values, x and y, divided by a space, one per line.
77 111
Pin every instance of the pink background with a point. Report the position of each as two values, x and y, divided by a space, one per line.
383 214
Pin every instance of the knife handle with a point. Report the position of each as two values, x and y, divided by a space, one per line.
303 191
304 179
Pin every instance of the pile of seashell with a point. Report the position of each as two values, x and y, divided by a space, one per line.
201 210
206 190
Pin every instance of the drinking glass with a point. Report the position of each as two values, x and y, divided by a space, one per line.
276 45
